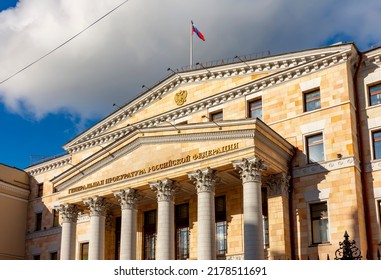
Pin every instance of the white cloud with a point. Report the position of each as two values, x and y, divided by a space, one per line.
136 44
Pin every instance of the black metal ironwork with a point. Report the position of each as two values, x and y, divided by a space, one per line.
348 250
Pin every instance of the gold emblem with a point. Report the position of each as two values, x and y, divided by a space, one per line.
181 97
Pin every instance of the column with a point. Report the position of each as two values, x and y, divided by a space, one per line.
127 199
98 208
164 190
279 222
69 214
251 172
205 181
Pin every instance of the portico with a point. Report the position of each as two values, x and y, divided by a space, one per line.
229 166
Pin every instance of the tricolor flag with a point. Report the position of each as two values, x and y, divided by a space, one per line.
198 32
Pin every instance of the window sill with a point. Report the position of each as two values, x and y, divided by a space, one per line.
320 244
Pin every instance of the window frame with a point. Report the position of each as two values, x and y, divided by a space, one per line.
311 223
249 111
373 144
182 224
221 221
307 146
305 102
38 221
56 218
40 190
81 250
216 113
378 84
149 232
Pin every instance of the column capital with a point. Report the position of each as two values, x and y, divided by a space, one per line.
127 198
69 212
204 179
250 169
164 189
97 205
277 184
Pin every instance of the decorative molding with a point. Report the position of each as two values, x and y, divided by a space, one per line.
14 191
164 189
277 184
127 198
49 165
238 257
250 169
69 212
97 205
209 136
326 166
286 69
373 166
204 179
83 218
43 233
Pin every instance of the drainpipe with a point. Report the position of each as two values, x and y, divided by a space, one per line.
360 141
290 206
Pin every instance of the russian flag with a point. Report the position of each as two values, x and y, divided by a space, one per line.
198 32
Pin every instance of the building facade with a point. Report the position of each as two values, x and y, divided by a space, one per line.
269 158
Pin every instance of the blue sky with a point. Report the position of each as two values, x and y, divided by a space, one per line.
45 106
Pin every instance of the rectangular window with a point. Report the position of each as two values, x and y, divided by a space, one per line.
149 234
319 223
315 148
265 217
84 251
217 116
375 95
54 256
312 100
182 231
40 190
376 138
56 218
255 109
221 229
38 221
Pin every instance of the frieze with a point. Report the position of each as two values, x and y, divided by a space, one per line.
158 167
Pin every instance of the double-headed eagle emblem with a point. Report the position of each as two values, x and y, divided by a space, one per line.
181 97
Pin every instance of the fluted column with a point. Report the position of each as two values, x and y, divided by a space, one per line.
69 215
251 172
98 209
205 181
128 199
164 190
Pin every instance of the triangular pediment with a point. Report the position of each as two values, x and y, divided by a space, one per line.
164 152
205 86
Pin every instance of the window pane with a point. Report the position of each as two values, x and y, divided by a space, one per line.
149 246
85 251
377 144
38 221
375 94
319 222
183 243
221 238
312 100
255 109
218 116
55 218
315 149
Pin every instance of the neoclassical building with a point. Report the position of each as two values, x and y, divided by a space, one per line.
266 158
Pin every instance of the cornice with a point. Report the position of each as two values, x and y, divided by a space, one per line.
48 165
286 67
373 166
206 136
327 166
13 191
43 233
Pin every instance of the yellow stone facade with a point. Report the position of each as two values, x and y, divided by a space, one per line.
153 138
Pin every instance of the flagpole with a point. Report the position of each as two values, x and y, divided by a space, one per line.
191 46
